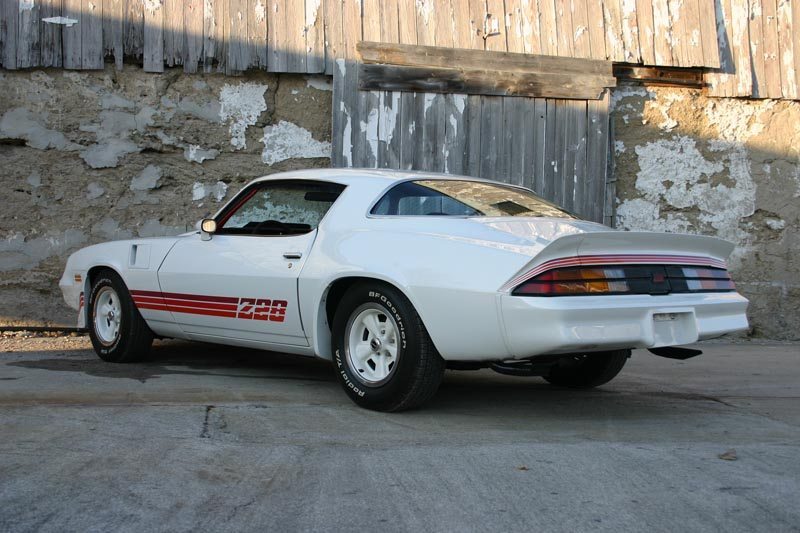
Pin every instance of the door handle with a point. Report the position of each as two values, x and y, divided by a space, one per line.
292 255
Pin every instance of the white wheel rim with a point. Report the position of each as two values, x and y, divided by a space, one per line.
107 315
372 344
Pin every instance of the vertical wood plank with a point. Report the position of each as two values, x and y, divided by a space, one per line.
417 146
679 33
315 36
173 32
582 46
580 205
473 115
463 36
787 50
708 33
597 29
756 50
547 26
435 132
408 129
515 39
352 126
210 10
444 34
644 21
71 35
153 58
334 38
514 137
564 30
133 40
372 20
277 37
390 130
351 27
369 117
722 83
388 22
456 134
193 11
769 33
528 123
406 25
612 17
426 22
575 109
91 34
630 32
236 37
694 39
796 40
491 136
338 115
549 162
541 142
9 21
740 16
561 143
28 36
296 36
662 33
257 33
51 34
113 30
495 26
597 155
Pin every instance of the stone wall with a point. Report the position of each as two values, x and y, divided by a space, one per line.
724 167
92 156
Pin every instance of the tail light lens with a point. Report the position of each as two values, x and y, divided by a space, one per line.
628 279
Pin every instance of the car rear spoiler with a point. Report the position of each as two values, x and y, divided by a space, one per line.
636 245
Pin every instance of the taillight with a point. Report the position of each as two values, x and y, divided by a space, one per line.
628 279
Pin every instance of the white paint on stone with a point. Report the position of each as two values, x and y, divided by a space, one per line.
219 191
286 140
240 106
18 252
775 224
149 178
20 123
154 228
198 191
321 83
34 179
94 190
619 147
198 154
107 154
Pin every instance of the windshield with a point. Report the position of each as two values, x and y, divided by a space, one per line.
463 198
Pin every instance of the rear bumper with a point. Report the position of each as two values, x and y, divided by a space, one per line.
542 325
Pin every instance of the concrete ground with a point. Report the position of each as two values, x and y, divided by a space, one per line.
212 438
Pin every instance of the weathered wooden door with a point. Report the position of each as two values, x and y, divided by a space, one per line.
559 148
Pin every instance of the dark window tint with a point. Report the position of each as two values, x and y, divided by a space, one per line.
280 208
463 198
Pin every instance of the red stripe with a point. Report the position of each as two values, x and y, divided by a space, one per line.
181 296
153 307
208 312
202 305
589 260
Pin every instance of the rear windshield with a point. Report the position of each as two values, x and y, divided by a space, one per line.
463 198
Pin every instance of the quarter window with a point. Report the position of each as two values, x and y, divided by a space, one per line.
279 208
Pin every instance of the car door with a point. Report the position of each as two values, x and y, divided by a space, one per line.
242 283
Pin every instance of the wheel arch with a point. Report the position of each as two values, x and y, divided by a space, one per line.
91 273
331 297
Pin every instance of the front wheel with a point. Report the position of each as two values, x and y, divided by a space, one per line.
588 370
383 356
118 332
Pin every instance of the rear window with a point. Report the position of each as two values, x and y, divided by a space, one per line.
463 198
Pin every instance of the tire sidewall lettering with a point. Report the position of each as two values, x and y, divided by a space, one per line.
343 372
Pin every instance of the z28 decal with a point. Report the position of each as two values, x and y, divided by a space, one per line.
221 306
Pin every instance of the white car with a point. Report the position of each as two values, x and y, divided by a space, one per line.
395 276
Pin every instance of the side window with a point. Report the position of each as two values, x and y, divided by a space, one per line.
280 208
409 198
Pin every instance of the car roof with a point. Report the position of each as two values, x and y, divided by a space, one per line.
352 176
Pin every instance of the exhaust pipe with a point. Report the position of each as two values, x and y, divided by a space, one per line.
675 352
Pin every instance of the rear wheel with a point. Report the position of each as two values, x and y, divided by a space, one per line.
383 355
118 332
588 370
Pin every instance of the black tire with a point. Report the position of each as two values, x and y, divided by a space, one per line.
418 368
132 338
588 370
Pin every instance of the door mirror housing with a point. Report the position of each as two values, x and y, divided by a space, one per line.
208 226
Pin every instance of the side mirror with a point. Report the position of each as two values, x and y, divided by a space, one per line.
208 226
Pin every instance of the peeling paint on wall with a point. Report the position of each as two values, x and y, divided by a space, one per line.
289 141
241 105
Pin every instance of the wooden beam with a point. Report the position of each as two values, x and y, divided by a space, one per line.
480 81
661 76
440 57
